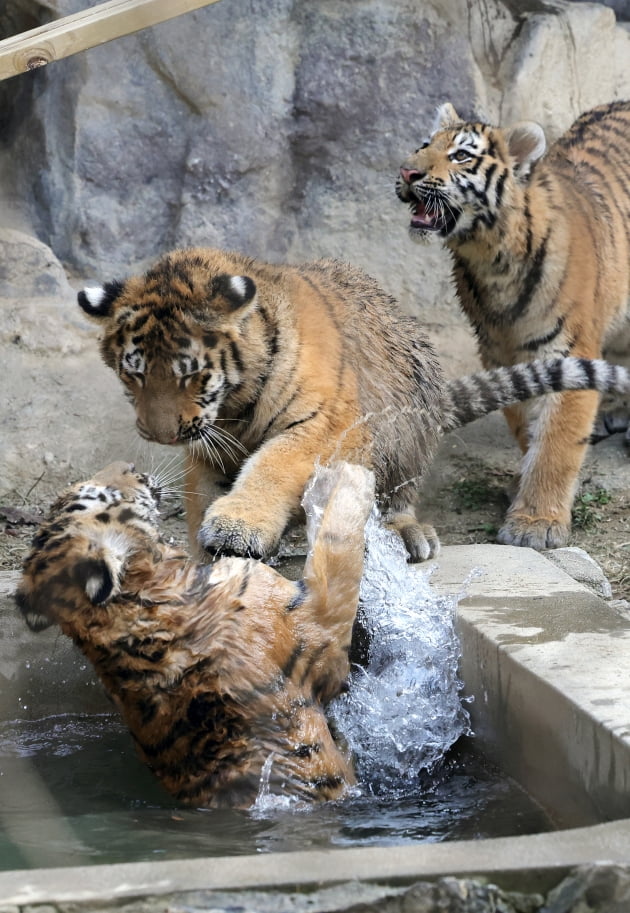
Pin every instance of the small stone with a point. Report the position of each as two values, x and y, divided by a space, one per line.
582 567
591 889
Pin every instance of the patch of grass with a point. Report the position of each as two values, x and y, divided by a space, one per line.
490 529
585 513
475 494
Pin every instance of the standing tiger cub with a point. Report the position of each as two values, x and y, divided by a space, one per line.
540 245
221 672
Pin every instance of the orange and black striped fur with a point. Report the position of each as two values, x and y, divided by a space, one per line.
264 370
218 670
540 245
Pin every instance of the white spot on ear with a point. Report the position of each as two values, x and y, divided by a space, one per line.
238 290
526 143
93 586
37 622
238 285
94 294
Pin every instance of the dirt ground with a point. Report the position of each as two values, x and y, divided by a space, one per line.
466 496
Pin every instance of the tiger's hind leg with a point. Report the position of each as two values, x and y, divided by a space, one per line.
337 502
614 411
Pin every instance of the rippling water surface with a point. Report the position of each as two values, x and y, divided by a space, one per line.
72 791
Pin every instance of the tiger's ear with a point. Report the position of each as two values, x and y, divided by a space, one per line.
234 293
36 620
97 300
446 116
526 144
99 577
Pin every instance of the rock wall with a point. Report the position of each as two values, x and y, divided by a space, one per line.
276 127
62 414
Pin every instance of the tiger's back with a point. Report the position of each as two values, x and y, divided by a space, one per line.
541 259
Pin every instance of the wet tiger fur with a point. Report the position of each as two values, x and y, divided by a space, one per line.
219 671
262 370
540 248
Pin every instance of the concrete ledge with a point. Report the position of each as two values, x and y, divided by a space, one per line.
547 662
537 862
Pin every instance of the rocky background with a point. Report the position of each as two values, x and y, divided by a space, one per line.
271 126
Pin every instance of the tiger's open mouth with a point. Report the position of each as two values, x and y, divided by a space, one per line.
427 216
430 212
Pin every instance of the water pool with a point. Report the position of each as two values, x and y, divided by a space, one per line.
72 792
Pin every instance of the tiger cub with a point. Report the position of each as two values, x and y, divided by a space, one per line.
218 670
540 247
262 371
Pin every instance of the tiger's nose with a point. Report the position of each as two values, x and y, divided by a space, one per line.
160 426
409 175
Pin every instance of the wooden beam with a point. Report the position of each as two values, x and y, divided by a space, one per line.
86 29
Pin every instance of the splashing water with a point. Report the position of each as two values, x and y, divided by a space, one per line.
403 709
266 801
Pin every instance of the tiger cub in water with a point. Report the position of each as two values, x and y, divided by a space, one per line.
264 370
541 259
218 670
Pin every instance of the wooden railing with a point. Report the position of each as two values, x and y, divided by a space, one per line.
86 29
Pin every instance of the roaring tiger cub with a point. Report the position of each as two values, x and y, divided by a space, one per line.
221 672
264 370
540 247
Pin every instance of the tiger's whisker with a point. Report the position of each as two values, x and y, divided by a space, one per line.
210 449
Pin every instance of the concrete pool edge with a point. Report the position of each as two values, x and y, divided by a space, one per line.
544 658
537 860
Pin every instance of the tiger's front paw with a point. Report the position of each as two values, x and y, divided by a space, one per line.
533 532
225 531
226 536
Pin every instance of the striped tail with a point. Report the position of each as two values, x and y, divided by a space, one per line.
475 395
